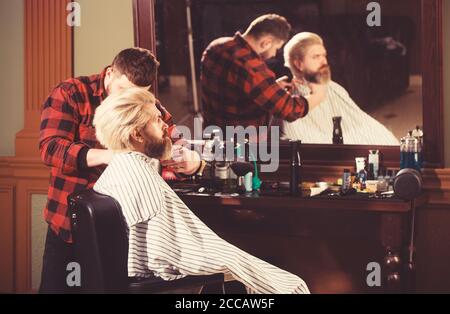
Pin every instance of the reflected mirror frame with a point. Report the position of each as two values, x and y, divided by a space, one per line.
432 86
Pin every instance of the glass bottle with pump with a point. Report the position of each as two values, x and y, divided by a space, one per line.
411 155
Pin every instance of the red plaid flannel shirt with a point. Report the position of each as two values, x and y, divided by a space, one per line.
238 88
66 134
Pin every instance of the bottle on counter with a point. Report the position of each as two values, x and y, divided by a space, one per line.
295 178
390 180
417 132
362 175
418 148
225 176
248 182
403 153
361 172
382 184
360 164
222 177
355 181
338 138
371 173
210 153
374 159
346 180
410 143
411 155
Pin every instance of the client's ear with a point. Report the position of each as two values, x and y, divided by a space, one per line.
136 136
299 65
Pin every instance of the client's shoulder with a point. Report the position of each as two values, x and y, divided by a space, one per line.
132 156
132 161
336 87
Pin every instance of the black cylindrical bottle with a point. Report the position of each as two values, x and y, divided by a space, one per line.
295 178
337 131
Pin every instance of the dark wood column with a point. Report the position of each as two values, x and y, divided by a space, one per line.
144 28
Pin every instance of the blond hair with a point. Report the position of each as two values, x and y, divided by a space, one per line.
122 113
296 49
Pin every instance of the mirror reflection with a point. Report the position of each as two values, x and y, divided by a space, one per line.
373 90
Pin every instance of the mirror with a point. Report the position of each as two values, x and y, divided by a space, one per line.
404 67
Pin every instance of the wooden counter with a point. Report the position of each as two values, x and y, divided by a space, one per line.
328 241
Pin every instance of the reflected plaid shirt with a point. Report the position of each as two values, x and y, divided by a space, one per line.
238 88
66 134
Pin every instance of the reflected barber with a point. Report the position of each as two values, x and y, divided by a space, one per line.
238 87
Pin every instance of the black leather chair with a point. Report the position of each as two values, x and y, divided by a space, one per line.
101 247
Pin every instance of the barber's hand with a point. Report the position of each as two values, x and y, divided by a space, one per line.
318 94
183 160
284 83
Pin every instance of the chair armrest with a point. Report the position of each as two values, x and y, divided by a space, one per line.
158 285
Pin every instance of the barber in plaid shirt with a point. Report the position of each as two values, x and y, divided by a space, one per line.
69 146
238 87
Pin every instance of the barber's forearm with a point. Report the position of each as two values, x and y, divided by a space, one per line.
98 157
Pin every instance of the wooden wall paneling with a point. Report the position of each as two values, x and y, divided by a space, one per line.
48 60
437 187
25 190
7 200
23 177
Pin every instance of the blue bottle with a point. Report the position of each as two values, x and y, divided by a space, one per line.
362 176
407 151
411 155
403 155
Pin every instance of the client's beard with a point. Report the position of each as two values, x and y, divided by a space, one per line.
159 148
322 76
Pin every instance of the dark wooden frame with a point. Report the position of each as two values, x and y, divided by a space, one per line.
433 82
432 73
144 28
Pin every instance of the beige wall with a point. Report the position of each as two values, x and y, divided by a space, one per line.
106 28
447 81
12 73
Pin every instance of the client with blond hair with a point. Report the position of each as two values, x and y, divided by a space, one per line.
165 238
305 55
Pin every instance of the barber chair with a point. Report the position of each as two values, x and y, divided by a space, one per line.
101 248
